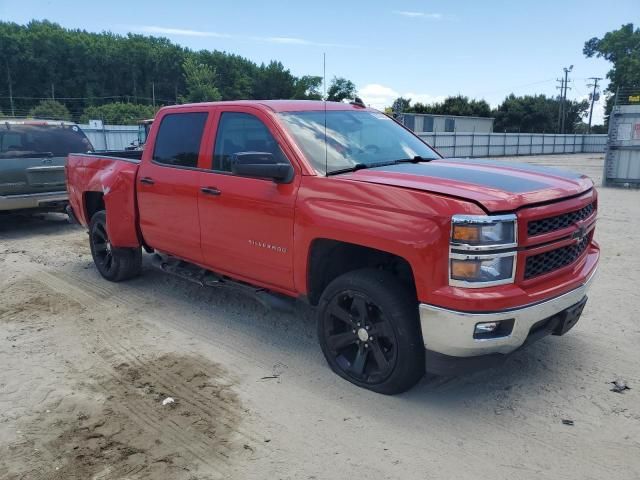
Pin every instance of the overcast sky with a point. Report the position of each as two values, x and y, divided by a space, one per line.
425 50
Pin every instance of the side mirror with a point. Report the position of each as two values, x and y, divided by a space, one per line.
261 165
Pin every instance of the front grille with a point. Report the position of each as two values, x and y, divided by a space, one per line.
551 224
552 260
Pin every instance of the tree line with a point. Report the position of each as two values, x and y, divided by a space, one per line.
527 113
78 74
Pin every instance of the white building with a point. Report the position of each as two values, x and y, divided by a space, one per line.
419 123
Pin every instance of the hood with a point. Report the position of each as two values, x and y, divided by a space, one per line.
498 186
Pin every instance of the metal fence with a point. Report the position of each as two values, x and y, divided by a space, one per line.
449 144
458 144
111 137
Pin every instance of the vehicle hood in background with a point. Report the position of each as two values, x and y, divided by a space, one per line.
498 186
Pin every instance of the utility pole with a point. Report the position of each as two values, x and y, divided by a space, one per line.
595 96
561 88
564 97
53 92
13 111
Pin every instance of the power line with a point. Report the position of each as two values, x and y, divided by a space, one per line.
595 96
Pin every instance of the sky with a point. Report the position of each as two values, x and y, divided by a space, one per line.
424 50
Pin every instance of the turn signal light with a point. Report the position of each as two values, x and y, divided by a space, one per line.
466 233
465 269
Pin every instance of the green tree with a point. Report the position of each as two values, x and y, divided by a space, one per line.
200 81
340 88
456 105
537 114
118 113
622 48
400 105
307 87
51 110
273 81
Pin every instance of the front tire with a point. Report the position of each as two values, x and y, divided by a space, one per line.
114 264
369 331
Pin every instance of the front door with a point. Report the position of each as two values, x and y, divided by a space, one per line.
247 223
168 185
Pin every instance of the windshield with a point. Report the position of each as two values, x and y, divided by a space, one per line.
20 140
354 139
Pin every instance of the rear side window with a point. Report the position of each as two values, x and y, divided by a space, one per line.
24 140
242 132
178 140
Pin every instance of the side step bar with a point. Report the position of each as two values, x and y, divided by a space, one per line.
207 278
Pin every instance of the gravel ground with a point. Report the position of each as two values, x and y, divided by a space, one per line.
86 365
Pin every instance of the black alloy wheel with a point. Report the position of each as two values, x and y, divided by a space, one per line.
369 331
114 264
360 337
102 253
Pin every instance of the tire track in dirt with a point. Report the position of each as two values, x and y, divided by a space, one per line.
126 350
199 443
118 352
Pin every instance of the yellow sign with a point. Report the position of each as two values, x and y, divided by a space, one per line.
634 98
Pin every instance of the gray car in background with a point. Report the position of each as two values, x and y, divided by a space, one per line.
32 159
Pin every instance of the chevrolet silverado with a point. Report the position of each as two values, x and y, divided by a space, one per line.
413 262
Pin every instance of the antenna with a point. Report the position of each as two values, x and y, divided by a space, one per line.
324 96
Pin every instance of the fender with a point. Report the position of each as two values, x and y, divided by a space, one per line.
411 224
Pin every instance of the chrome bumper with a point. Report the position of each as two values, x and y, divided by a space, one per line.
31 200
450 332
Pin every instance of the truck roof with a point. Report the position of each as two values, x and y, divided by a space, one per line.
281 105
33 121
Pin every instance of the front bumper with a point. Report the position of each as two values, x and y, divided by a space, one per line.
47 200
450 333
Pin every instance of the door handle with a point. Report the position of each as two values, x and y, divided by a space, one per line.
147 180
210 191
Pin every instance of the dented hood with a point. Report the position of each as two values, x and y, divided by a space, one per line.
498 186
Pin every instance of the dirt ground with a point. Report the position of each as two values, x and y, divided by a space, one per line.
86 365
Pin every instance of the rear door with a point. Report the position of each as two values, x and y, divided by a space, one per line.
168 184
32 156
247 223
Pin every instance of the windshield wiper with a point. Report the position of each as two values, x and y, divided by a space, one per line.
415 159
353 168
361 166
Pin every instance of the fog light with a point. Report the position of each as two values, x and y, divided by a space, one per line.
487 327
489 330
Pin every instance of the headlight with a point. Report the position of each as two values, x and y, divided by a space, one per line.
483 231
483 250
482 268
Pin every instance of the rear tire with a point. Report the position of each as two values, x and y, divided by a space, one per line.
114 264
369 331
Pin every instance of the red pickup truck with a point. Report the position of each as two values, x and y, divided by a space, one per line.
412 262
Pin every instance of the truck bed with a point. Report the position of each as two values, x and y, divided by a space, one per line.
106 180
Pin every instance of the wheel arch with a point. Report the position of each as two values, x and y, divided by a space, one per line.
92 202
328 259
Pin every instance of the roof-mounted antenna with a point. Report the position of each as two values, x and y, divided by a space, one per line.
324 97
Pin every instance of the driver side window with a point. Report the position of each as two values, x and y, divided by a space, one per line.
242 132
